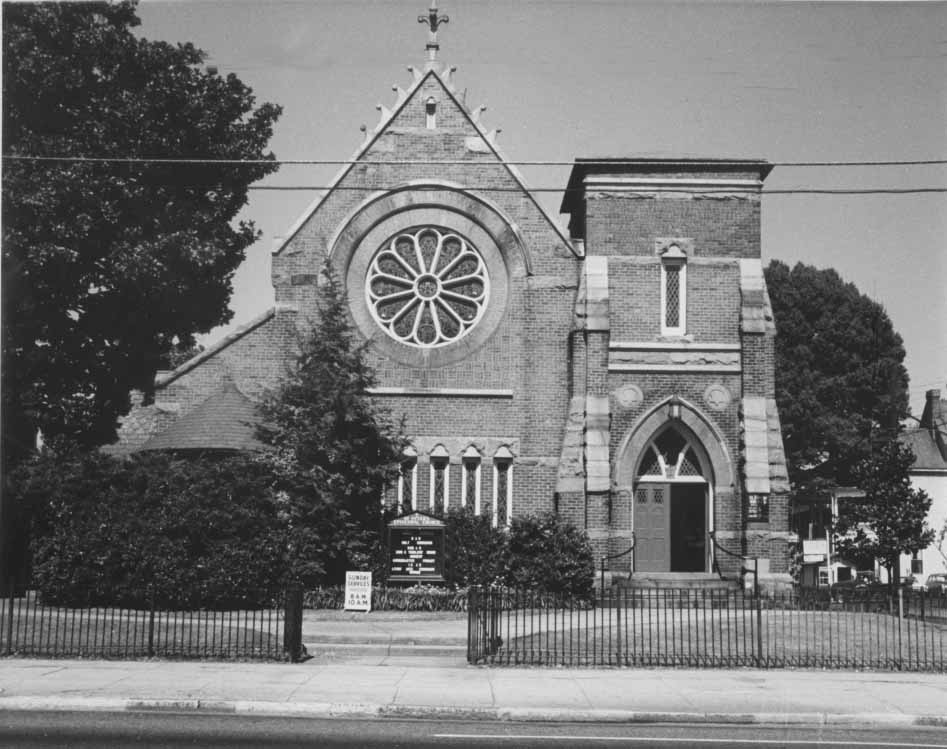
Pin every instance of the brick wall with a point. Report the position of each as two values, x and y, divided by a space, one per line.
626 224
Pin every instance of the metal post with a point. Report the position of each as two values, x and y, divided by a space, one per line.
900 617
471 622
293 624
602 576
10 617
759 631
618 605
151 628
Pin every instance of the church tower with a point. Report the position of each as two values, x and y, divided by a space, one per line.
673 368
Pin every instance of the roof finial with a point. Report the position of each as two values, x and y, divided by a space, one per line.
433 22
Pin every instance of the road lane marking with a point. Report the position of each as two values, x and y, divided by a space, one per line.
690 740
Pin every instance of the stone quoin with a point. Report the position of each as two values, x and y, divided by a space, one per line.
619 372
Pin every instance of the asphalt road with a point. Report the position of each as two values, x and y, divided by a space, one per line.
130 729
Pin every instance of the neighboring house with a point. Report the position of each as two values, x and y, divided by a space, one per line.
813 519
928 440
620 373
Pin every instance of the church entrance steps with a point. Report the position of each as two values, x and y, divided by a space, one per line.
707 581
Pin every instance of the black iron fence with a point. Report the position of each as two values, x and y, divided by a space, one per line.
269 628
902 630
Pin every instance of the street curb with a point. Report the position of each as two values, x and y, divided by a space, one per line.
435 712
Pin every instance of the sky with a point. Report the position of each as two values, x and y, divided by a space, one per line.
787 81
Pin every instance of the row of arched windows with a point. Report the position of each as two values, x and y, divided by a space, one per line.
442 494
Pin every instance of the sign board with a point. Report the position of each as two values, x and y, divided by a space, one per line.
416 543
358 591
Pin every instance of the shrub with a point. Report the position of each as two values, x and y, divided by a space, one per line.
203 531
542 553
475 553
548 555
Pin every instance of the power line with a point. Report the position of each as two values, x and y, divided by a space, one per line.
458 162
702 191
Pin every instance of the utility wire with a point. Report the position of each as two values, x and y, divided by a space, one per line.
799 191
456 162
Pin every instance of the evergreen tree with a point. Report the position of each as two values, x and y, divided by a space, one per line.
334 448
890 520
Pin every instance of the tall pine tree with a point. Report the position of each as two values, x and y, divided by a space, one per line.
334 448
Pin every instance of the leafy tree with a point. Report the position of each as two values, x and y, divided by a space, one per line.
890 520
840 381
334 448
107 264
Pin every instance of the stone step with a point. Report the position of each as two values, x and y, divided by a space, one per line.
677 581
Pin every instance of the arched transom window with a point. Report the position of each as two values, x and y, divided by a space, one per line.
670 456
427 287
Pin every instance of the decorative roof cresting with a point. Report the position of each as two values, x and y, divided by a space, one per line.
433 21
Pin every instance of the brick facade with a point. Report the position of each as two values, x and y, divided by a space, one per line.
567 371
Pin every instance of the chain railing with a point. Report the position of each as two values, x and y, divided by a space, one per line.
743 568
619 555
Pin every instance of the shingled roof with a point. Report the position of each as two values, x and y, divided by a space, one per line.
226 421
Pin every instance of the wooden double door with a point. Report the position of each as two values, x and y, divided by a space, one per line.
670 524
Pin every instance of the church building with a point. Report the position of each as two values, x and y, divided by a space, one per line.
618 372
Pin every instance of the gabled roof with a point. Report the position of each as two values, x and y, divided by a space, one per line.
928 439
387 116
225 421
927 455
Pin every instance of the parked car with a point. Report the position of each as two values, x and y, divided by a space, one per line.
936 583
860 583
910 582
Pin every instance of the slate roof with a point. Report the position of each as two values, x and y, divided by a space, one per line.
927 455
226 420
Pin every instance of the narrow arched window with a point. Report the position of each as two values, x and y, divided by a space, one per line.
470 487
502 487
673 291
408 481
430 113
440 475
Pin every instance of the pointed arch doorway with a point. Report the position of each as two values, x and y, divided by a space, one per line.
672 504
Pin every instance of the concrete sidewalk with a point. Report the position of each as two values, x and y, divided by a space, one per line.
387 686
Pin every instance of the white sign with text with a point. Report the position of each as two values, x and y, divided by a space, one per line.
358 591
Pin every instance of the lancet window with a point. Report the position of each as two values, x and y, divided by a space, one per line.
673 291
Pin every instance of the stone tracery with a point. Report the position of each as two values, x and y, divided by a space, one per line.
427 287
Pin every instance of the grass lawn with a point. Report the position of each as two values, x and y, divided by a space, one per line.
681 636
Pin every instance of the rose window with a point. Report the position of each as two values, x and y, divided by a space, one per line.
427 287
